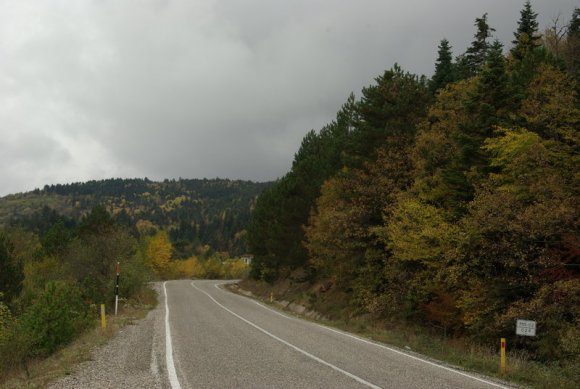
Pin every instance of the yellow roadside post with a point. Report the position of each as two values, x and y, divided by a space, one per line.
271 296
103 318
502 356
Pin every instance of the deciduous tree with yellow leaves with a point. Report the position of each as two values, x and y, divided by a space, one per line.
157 252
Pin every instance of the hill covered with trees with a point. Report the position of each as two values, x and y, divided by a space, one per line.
195 213
59 249
450 201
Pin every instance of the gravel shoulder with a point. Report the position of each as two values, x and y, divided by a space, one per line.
129 360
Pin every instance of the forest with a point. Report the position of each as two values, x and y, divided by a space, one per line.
194 213
447 202
450 201
59 247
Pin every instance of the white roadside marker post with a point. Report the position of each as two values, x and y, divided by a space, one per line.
117 288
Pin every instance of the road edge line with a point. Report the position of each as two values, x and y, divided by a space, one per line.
346 334
171 373
296 348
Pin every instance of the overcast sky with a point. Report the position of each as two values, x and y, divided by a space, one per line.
203 88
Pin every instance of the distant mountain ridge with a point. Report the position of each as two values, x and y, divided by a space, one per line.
195 212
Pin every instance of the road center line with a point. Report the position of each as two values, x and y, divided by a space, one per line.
171 373
354 377
388 348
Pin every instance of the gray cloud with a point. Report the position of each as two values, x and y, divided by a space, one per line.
97 89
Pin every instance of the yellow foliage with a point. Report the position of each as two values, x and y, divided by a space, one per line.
238 268
173 204
145 227
213 268
188 268
157 252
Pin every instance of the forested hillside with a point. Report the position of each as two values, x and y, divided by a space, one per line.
195 213
450 201
59 249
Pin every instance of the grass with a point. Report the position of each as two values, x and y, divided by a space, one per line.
65 361
460 353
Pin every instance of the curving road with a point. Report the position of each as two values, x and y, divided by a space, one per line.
216 339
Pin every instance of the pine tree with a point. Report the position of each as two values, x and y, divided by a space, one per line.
492 97
574 26
275 232
474 58
526 36
11 270
390 107
444 68
572 50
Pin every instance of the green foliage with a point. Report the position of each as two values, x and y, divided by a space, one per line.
61 274
5 323
492 99
275 232
526 36
458 212
550 108
135 274
56 316
446 148
56 239
470 63
571 50
38 273
193 212
445 70
91 261
385 115
97 222
556 308
11 274
391 107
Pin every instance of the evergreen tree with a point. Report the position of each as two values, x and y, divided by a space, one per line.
275 232
572 49
574 26
391 107
526 36
55 241
444 68
98 221
11 271
492 99
474 58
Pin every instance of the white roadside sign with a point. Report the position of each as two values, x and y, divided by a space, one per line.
526 327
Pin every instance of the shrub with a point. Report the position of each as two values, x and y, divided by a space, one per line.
6 331
56 316
5 322
134 275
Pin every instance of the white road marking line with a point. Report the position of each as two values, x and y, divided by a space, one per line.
354 377
171 373
388 348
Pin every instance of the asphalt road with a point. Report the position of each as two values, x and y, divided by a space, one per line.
217 339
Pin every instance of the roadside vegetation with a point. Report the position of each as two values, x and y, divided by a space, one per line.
449 203
40 372
329 308
54 278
